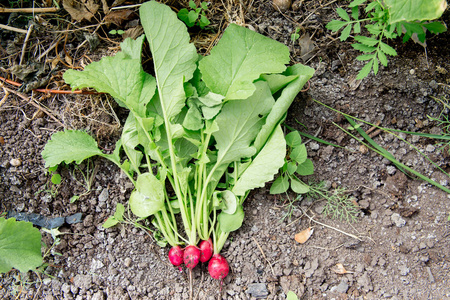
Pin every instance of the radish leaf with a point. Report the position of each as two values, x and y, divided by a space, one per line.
68 146
264 166
20 245
239 58
148 197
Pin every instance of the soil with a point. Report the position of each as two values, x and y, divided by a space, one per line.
398 248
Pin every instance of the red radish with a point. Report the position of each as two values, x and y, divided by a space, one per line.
176 256
191 256
206 248
218 267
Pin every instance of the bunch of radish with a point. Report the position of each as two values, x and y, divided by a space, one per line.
218 266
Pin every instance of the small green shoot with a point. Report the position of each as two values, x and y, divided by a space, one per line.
195 15
87 179
386 20
55 178
116 218
114 32
295 36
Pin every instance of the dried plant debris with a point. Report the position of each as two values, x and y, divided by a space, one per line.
81 10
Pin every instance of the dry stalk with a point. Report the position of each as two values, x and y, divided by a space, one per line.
29 10
25 43
331 227
10 28
265 258
31 101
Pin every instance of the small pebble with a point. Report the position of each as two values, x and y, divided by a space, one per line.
398 220
258 290
429 148
127 262
15 162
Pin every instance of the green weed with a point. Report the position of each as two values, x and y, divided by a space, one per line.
387 19
194 15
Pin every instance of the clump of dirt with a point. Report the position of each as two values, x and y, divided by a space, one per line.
398 248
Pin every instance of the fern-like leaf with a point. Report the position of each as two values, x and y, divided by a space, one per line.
368 41
365 70
346 32
355 3
363 48
343 14
382 57
375 65
335 25
387 49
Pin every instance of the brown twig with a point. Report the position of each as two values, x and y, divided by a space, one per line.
25 43
377 131
30 100
28 10
265 258
49 49
373 127
10 28
50 91
67 92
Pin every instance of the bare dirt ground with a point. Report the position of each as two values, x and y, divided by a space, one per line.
398 248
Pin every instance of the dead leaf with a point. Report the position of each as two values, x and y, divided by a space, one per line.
80 11
117 3
339 269
306 47
133 32
304 235
105 7
117 17
353 83
54 62
91 6
68 60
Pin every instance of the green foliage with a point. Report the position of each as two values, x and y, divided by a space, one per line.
116 218
209 128
291 296
339 205
114 32
386 20
295 36
443 121
296 164
194 15
55 178
20 246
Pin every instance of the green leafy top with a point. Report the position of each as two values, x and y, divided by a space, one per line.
20 246
387 19
209 131
239 58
